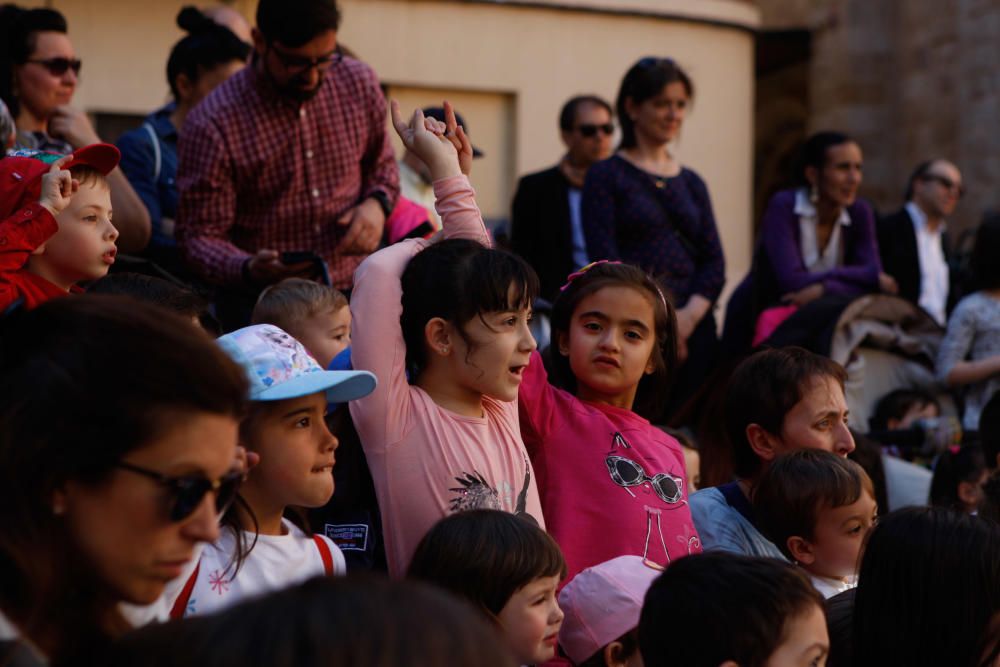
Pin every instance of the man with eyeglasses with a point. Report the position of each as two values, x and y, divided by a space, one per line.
287 157
545 218
912 241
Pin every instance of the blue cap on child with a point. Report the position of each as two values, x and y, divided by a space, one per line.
279 367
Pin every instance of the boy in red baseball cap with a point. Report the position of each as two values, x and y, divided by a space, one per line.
55 222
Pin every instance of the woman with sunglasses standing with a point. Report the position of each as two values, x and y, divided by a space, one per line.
38 75
643 207
118 434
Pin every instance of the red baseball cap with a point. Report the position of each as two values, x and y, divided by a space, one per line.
21 172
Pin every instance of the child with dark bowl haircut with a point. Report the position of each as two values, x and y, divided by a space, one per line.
818 508
718 609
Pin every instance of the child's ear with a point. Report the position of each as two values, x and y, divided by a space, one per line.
761 442
437 334
801 550
562 341
613 655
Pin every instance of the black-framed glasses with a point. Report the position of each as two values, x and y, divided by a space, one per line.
946 182
299 64
591 129
189 490
626 473
59 66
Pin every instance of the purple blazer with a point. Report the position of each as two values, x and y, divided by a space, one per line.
781 250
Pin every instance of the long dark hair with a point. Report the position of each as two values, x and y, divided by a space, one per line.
928 586
85 381
18 29
652 390
645 80
206 45
458 280
984 264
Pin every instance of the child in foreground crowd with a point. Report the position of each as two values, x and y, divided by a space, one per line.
260 549
315 315
602 606
507 566
724 610
817 508
453 315
55 219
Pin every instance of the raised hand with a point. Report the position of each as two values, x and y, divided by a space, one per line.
58 187
423 137
456 134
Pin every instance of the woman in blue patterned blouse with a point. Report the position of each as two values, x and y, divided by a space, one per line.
643 207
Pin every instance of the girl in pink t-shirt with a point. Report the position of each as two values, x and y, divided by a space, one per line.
444 327
611 483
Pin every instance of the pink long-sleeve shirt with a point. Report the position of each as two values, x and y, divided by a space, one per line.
426 461
574 446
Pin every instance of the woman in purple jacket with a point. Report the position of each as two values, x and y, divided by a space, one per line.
817 240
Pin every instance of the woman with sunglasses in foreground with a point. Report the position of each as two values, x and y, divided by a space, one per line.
118 434
643 207
39 72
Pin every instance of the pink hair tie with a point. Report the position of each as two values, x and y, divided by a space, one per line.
576 274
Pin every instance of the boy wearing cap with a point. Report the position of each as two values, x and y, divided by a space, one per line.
602 606
55 222
260 549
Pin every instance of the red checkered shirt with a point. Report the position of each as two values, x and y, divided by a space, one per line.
258 170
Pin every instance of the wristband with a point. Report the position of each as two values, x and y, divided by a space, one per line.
383 201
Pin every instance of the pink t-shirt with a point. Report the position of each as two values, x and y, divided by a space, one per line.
426 461
579 449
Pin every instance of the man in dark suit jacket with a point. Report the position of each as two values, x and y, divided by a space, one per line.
912 242
545 216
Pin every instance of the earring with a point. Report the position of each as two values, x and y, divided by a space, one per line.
814 194
444 349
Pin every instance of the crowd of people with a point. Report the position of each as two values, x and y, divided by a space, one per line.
271 396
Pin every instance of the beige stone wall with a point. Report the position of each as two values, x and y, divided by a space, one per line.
911 80
519 63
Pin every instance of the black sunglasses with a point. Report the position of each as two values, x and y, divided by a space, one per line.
298 64
946 182
590 129
649 62
189 490
59 66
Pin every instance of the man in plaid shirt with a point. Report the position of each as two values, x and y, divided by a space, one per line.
290 154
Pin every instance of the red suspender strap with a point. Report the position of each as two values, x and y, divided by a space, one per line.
180 605
324 553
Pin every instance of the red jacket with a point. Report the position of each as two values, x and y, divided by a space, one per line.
20 235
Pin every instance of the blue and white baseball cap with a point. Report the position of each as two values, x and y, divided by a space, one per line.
279 367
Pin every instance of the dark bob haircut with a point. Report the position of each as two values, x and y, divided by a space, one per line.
712 607
653 388
486 556
763 389
457 280
645 80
